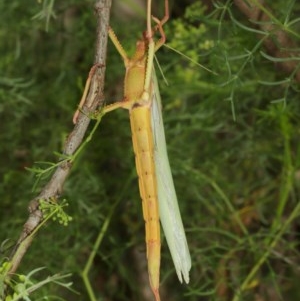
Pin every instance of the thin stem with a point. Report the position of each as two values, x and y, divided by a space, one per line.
55 185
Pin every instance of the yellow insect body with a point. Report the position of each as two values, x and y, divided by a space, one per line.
138 102
142 138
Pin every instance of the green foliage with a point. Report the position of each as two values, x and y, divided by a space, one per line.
232 136
22 286
51 209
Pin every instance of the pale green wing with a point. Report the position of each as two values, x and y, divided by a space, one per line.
167 199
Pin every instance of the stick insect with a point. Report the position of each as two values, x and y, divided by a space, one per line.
159 201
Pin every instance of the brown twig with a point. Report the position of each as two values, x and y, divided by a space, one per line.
278 44
54 187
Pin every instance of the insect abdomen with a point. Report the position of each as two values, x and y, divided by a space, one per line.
142 139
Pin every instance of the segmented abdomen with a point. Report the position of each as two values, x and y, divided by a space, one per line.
142 139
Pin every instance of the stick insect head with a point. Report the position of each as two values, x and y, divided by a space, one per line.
141 48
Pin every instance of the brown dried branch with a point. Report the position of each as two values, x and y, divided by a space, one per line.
278 44
54 187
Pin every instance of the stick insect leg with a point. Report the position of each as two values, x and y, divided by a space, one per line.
123 104
153 47
118 45
159 26
85 92
166 16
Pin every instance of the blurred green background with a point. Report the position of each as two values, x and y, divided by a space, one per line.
233 143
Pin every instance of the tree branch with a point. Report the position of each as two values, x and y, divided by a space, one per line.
54 187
